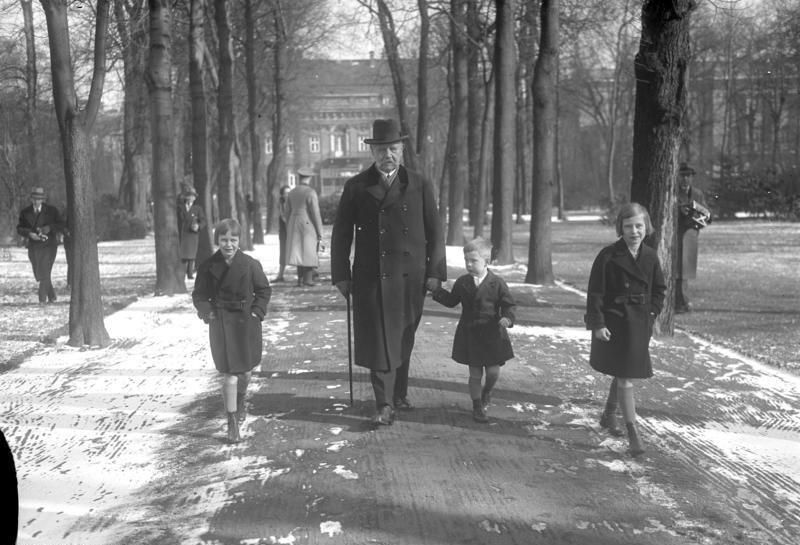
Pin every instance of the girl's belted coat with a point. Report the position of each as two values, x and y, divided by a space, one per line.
233 301
480 340
625 295
398 244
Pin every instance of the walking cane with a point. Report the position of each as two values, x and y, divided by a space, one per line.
349 351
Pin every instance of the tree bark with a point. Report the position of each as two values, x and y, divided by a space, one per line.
197 92
474 113
169 272
31 84
86 326
276 165
545 81
424 161
226 190
252 125
504 146
459 166
660 68
134 185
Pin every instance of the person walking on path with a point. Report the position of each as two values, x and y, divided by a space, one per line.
191 219
625 294
231 295
487 310
399 253
39 224
303 228
282 217
692 216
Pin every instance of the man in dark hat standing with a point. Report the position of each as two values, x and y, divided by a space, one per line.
191 219
399 253
39 224
692 216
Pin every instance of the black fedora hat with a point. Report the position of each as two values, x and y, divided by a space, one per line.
685 169
385 131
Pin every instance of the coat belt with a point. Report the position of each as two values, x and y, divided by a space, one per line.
632 299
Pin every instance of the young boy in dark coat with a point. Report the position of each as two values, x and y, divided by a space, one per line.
487 310
231 295
626 293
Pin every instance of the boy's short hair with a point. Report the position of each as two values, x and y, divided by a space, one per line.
480 245
629 210
227 226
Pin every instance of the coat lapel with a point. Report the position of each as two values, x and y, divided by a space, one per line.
623 259
374 187
397 190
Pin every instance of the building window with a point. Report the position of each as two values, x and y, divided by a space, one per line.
291 180
313 144
268 145
362 146
289 145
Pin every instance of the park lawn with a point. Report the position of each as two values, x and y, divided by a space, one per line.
747 293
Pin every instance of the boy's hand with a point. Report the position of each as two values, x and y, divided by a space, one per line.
433 284
602 334
505 322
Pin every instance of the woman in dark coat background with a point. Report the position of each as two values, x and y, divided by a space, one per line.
191 219
626 293
231 295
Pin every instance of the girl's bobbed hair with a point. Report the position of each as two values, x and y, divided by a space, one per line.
629 210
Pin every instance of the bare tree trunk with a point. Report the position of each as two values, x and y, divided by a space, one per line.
226 188
660 66
252 114
474 114
276 165
132 30
422 89
86 326
504 147
459 168
169 272
484 163
391 45
31 83
545 90
197 91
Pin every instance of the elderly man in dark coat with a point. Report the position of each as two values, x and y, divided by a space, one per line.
39 224
399 252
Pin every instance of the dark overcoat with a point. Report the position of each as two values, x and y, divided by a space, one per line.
480 340
42 254
625 296
398 243
688 234
190 223
233 301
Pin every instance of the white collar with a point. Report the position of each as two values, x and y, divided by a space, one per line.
479 279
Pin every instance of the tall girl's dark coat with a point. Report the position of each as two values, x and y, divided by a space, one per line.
480 340
625 296
398 243
187 232
227 297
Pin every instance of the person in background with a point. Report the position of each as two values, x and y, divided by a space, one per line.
392 215
39 224
626 293
231 294
692 216
282 217
303 228
191 219
487 311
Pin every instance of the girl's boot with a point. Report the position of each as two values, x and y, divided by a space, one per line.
608 419
628 406
241 410
634 442
233 428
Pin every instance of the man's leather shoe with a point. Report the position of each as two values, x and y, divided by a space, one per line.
403 404
384 416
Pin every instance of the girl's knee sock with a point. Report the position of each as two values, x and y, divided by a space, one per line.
229 392
475 388
492 375
627 402
244 381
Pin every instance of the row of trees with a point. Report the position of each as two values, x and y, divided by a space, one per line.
199 94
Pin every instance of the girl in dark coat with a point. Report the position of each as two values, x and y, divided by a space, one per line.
231 295
487 309
626 293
